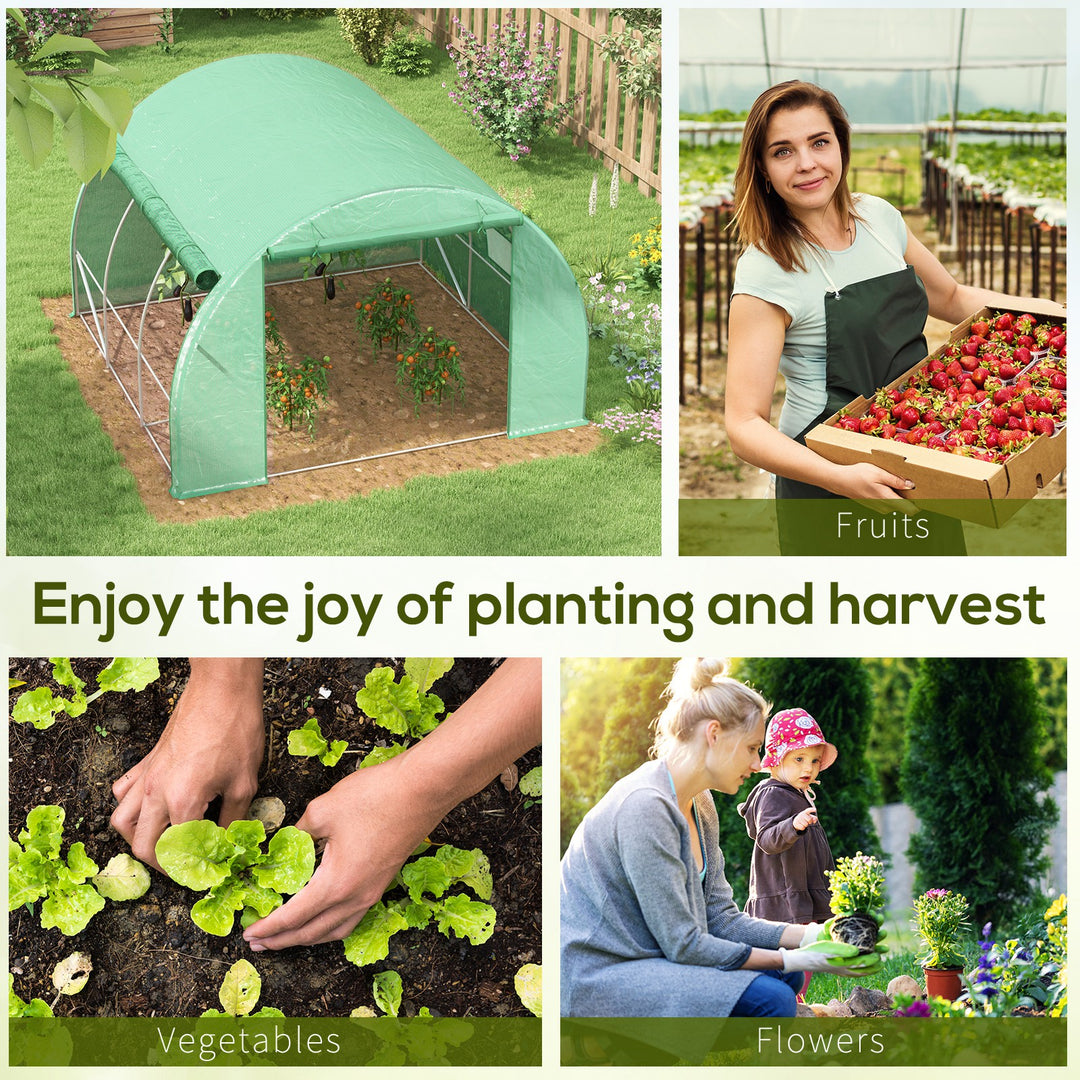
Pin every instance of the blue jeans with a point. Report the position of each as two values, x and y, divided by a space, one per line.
772 993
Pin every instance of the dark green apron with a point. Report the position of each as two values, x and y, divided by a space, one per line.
873 334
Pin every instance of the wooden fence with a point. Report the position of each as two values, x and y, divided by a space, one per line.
128 26
622 130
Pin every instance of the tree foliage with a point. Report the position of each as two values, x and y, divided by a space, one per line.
973 775
608 705
91 115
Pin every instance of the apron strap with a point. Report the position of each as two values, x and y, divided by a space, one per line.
887 246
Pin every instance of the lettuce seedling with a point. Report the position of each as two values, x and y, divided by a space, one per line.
528 982
239 993
427 880
386 986
232 865
405 707
39 707
309 741
35 870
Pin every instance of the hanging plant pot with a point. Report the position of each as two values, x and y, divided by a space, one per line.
943 982
858 929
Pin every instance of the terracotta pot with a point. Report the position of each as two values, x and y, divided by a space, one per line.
943 982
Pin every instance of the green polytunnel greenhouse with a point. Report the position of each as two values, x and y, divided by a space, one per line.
242 170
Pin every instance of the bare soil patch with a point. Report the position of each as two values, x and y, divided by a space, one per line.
150 959
366 414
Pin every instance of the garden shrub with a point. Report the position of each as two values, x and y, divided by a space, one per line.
973 776
41 24
407 54
636 56
288 14
367 29
505 89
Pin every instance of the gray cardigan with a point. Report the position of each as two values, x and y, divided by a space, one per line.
641 935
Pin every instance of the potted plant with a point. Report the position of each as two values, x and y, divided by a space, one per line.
941 921
857 896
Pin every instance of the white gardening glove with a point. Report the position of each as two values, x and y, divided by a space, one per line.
813 932
798 960
830 956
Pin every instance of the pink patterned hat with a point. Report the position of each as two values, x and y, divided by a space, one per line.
792 729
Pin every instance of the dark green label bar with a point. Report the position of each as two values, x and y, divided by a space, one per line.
875 1041
845 528
383 1041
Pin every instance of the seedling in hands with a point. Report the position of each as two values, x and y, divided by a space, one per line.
857 896
231 864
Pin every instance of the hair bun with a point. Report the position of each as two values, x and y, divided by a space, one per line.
705 670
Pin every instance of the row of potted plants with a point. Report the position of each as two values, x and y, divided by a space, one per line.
1008 975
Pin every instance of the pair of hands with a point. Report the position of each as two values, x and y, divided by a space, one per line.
369 823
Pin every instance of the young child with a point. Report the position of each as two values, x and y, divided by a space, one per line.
791 850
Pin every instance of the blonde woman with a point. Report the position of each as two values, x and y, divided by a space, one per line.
649 925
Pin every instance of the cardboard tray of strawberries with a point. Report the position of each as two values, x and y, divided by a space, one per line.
979 425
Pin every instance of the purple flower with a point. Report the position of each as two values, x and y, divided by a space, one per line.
916 1008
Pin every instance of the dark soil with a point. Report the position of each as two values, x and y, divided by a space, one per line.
365 414
149 957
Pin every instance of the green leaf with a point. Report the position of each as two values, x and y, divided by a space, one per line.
478 877
467 918
89 141
370 940
216 911
246 835
531 783
528 982
427 670
427 716
18 1007
240 989
65 675
57 44
258 902
333 755
387 989
37 707
113 105
18 83
289 862
195 854
426 874
44 830
381 754
27 876
70 910
307 741
59 96
123 878
129 672
79 865
30 126
418 915
388 703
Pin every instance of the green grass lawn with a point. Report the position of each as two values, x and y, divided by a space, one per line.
67 490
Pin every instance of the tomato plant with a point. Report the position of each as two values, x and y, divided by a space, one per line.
386 316
429 368
295 392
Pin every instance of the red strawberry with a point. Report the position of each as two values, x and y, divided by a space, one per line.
1003 322
1057 381
1044 425
981 328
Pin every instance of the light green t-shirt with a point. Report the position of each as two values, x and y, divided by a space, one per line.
880 241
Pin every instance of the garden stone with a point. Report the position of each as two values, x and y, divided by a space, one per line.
866 1002
903 984
802 1009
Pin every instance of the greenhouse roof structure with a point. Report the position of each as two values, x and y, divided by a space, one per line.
245 168
887 65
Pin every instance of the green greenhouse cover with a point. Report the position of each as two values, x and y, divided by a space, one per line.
270 158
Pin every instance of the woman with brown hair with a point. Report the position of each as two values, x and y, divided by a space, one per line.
832 290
